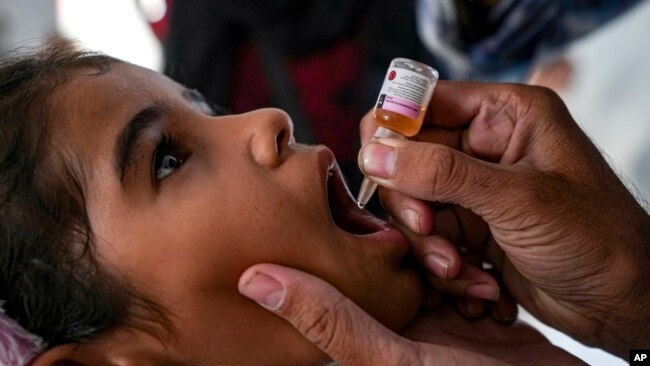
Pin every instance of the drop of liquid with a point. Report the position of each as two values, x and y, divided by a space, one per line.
361 205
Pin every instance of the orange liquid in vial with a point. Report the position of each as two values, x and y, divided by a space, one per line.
399 123
400 107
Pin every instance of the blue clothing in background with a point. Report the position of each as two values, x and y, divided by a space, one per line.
499 42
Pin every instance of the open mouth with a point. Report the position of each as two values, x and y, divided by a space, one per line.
344 210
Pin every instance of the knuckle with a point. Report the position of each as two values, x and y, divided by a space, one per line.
405 359
529 105
443 170
323 325
542 97
421 355
514 93
516 99
522 92
547 101
403 354
544 94
515 90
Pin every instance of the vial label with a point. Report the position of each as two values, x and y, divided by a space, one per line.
403 92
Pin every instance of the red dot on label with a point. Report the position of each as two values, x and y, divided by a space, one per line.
392 75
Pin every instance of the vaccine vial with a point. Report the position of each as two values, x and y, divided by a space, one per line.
400 107
404 96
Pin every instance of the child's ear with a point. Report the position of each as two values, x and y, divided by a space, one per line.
89 354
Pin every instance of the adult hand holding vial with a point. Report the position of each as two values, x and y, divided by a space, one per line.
400 107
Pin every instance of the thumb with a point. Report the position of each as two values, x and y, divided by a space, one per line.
325 317
437 173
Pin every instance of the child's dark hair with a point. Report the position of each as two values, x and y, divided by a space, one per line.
50 279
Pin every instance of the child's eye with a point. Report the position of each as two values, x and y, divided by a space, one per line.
166 164
168 158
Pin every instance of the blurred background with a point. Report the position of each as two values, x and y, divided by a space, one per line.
323 61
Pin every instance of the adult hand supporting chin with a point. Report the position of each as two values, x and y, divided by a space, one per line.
351 337
525 189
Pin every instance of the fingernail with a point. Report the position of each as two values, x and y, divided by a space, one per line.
484 291
265 290
411 219
437 264
378 160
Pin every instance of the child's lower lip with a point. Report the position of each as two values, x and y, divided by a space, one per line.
391 236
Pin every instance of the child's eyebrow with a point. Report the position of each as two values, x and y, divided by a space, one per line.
127 141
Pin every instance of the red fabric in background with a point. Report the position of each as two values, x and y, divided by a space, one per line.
325 82
161 27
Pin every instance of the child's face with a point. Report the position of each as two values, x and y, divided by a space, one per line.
184 222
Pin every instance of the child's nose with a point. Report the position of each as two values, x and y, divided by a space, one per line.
272 132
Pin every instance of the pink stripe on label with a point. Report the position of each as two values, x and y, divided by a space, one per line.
402 106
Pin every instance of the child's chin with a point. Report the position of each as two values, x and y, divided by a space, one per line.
402 306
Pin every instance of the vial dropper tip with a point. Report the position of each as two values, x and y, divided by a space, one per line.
361 205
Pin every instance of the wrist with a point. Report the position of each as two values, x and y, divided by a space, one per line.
627 324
